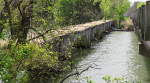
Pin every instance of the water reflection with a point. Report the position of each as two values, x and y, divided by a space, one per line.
117 55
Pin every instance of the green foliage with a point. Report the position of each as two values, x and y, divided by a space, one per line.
114 9
110 79
70 12
5 65
20 58
64 12
106 6
89 81
139 4
43 14
41 58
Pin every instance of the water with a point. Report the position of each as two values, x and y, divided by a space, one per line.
118 56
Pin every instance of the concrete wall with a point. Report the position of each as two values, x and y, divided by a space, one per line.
81 38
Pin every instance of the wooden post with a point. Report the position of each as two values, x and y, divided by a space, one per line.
147 19
140 18
143 22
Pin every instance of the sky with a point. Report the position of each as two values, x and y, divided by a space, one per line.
132 1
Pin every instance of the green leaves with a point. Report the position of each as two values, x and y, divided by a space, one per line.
114 9
71 12
139 4
22 57
110 79
6 63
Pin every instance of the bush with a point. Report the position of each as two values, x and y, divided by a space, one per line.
22 58
110 79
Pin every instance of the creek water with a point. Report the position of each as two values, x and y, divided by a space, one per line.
116 55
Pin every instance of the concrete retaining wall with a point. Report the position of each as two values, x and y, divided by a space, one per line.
80 36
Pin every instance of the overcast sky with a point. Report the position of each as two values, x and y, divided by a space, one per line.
137 0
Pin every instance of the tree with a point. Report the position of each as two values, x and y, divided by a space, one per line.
120 7
26 17
5 15
70 12
106 6
20 16
114 9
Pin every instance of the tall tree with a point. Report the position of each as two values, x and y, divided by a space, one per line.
114 9
70 12
5 15
26 17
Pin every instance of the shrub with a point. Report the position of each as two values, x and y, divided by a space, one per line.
22 58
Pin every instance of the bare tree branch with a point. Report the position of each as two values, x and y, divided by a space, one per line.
38 33
41 35
77 73
20 10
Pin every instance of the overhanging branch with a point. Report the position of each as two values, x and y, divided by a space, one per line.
77 73
40 34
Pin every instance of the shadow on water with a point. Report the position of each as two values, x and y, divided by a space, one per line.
147 64
80 54
145 54
144 73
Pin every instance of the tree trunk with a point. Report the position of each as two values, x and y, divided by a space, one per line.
26 14
1 30
23 30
